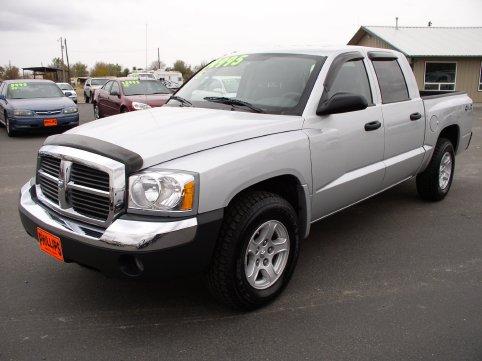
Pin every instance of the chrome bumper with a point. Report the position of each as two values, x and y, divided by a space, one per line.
121 234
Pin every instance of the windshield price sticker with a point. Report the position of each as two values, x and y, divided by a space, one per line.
17 85
128 83
227 61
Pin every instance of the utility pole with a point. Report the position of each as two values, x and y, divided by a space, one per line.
62 57
146 48
158 59
68 65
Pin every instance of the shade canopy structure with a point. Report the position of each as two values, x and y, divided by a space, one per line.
57 73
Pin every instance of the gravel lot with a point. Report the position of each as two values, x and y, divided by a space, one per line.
392 278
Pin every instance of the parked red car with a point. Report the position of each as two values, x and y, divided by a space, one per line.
127 94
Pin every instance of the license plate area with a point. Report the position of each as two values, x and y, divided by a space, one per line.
50 122
50 244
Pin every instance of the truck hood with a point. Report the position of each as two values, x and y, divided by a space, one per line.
41 104
162 134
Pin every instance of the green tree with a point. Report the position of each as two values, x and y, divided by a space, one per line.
125 72
106 69
79 69
183 68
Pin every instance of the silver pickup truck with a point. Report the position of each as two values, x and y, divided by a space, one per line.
228 182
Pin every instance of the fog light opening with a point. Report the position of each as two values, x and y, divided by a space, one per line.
131 265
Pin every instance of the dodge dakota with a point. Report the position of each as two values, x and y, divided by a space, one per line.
229 185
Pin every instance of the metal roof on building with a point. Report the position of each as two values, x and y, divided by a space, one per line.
427 41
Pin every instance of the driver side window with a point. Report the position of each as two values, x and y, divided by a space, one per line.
352 78
115 88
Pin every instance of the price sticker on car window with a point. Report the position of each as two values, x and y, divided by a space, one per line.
234 60
17 85
128 83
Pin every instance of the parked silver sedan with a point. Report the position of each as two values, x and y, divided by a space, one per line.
68 90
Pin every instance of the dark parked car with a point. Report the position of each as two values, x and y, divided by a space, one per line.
127 94
27 104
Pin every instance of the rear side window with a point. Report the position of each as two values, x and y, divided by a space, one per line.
352 78
391 81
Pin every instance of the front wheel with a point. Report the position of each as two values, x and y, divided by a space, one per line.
434 183
256 251
8 126
96 111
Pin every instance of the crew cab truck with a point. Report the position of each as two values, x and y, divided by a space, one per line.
229 186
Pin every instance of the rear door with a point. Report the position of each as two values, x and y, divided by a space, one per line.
404 119
347 156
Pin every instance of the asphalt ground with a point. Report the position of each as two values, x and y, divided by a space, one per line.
393 278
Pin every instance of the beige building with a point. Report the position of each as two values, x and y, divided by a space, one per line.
442 59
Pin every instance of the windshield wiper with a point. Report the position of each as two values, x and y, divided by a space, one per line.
181 100
234 101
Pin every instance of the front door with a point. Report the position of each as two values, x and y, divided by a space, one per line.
114 99
347 155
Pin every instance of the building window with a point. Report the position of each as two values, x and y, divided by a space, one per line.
480 78
440 76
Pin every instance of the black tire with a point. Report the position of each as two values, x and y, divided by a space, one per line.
123 110
428 185
96 107
8 127
226 276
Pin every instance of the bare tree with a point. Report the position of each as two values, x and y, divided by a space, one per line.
155 65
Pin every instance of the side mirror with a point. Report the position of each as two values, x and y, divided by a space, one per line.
342 103
2 97
115 94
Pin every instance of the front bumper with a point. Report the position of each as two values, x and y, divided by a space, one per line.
37 122
132 245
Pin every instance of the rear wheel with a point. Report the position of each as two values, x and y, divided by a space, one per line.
256 251
434 183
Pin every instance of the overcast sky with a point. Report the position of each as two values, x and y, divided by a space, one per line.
200 30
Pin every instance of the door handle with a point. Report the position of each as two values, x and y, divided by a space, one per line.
372 126
415 116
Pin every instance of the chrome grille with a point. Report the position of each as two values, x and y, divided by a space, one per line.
48 112
88 204
89 177
49 188
83 185
50 165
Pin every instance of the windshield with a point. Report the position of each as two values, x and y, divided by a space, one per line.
24 90
99 81
65 86
274 83
143 87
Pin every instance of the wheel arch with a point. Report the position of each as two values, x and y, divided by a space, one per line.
288 186
451 133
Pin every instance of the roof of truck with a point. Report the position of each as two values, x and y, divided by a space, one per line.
310 50
428 40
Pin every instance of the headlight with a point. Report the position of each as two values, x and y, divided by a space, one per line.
162 191
22 113
71 110
140 106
